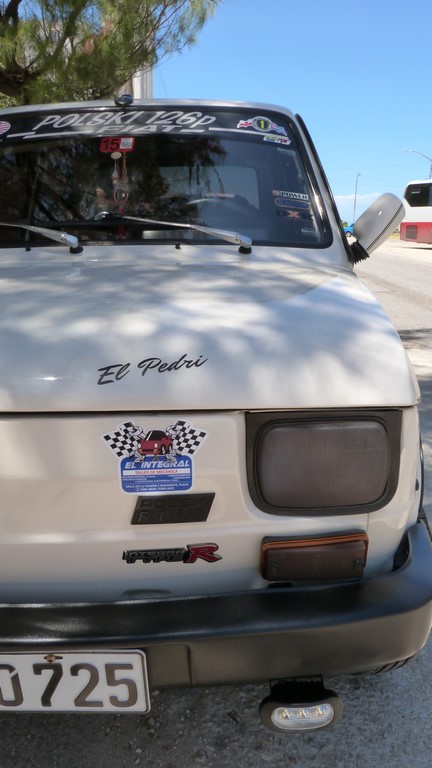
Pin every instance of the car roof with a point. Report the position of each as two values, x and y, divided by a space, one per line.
142 103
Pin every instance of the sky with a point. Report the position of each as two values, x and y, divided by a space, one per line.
359 74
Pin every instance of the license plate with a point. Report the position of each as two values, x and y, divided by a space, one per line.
74 682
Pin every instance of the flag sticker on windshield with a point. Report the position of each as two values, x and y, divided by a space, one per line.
263 124
155 460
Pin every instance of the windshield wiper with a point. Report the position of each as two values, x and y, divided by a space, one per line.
60 237
243 241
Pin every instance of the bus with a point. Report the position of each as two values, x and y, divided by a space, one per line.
417 225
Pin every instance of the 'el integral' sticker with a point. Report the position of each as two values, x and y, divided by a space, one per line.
157 460
156 475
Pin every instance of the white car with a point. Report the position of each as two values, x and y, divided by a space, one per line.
211 465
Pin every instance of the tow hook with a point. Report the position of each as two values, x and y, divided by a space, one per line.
295 706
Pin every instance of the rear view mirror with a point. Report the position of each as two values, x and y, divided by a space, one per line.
376 224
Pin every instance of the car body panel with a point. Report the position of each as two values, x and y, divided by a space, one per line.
132 364
84 346
63 503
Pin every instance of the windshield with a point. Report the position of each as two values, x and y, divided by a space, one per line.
233 172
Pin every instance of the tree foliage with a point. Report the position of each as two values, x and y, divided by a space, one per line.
61 50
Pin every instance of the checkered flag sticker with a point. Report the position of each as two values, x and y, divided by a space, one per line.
186 438
124 440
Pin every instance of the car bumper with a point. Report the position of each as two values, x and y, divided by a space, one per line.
248 636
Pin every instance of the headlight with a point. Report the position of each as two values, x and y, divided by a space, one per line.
336 464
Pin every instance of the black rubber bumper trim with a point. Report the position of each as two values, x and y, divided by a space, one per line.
246 636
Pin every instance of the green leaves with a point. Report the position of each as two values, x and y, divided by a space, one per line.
65 50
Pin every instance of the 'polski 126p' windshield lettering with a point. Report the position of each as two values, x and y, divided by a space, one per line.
136 121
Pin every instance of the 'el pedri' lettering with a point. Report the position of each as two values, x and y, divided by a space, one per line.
115 372
155 363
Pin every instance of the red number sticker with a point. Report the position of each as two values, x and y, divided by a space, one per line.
117 144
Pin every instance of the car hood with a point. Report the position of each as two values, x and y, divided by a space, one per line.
147 334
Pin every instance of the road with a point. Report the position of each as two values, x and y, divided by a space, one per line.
386 718
400 276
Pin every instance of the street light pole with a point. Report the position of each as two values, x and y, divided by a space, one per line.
355 194
422 155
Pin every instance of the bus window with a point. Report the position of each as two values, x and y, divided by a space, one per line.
417 195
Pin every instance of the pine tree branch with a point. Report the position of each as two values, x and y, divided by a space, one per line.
97 45
13 81
11 12
69 28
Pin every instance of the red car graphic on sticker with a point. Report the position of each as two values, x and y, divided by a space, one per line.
155 442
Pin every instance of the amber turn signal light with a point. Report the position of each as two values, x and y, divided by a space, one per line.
342 556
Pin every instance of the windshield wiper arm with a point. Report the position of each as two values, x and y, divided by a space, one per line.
243 241
60 237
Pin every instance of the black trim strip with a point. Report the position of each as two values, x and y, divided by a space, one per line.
316 156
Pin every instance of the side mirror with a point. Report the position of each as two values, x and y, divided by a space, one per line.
376 224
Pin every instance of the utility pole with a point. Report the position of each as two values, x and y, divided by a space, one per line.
355 194
422 155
